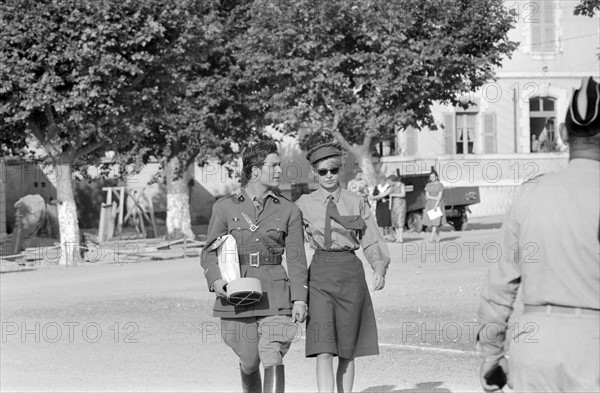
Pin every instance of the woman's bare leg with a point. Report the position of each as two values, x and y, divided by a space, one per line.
399 235
325 372
433 231
345 375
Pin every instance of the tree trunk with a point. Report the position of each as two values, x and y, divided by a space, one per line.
362 154
179 222
67 215
365 161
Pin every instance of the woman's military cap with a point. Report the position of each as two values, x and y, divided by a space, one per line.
583 118
322 151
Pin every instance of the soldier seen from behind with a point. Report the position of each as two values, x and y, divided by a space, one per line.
550 249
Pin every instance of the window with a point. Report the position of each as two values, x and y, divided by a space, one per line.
465 132
542 124
411 141
386 147
543 30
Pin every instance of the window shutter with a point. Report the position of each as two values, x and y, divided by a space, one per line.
449 132
411 141
489 132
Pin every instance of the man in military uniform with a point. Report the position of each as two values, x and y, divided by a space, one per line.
264 225
550 247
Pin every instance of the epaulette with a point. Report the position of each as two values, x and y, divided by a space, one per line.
235 194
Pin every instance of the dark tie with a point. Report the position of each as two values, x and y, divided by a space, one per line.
258 207
348 222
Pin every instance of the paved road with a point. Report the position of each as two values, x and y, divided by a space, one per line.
147 326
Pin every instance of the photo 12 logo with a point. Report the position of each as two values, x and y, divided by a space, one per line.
71 332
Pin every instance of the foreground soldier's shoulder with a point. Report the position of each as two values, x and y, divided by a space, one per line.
235 196
535 180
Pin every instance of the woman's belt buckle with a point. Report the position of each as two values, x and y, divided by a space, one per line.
254 259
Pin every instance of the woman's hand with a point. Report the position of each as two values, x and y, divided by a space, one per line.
378 280
299 311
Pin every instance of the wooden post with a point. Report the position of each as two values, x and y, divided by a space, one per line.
151 206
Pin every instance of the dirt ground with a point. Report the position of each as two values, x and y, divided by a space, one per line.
148 326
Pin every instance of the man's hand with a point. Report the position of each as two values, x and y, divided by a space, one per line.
299 311
378 280
487 367
219 287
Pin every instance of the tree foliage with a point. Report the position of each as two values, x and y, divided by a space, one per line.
356 69
208 114
587 8
84 76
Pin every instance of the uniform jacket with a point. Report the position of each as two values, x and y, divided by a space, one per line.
279 230
314 207
549 247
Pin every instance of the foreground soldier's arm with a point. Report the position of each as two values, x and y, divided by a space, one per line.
208 259
374 247
499 292
498 297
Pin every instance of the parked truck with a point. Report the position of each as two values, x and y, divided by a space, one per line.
456 200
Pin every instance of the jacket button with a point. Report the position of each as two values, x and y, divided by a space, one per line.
257 240
239 228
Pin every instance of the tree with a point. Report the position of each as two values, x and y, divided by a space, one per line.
79 77
587 8
208 114
355 70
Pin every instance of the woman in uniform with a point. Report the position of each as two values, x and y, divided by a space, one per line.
341 319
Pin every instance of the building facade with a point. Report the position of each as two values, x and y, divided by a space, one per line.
511 132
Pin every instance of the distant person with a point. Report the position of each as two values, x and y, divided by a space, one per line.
341 321
359 186
398 207
550 249
434 193
535 144
381 198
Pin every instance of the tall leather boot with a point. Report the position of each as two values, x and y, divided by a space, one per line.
251 383
274 379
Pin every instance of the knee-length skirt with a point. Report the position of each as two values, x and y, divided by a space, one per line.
341 319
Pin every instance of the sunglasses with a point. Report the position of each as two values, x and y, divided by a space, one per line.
333 171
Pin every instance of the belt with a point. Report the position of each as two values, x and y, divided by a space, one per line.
552 309
334 251
256 259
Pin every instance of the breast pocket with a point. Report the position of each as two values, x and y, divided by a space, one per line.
275 232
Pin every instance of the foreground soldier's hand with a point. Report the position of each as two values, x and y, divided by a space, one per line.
488 367
378 280
219 287
299 311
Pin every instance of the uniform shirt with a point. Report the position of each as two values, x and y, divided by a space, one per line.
259 204
549 243
313 207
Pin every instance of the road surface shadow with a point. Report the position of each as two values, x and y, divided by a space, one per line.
430 387
448 239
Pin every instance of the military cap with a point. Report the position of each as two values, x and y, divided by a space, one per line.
322 151
583 118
